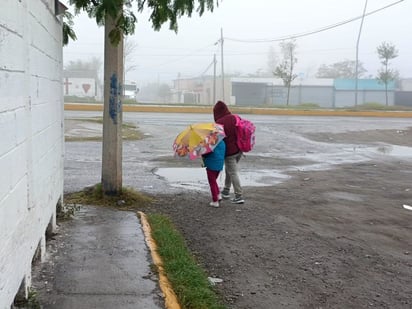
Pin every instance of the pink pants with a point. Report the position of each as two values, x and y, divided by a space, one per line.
212 179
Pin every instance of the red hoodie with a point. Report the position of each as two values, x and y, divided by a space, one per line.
223 116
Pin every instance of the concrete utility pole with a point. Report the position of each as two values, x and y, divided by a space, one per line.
214 79
357 54
112 116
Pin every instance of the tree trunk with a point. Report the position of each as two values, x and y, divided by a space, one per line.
386 92
112 115
386 82
287 99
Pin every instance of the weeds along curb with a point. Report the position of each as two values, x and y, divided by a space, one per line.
164 283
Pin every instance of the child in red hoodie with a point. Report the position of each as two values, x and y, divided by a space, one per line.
223 116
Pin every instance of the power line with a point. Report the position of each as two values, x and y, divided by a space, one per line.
180 59
208 67
295 36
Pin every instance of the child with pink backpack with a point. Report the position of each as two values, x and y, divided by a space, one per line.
239 138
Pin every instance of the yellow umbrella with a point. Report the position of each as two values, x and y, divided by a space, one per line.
198 139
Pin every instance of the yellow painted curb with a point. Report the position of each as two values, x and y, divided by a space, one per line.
164 283
242 110
82 107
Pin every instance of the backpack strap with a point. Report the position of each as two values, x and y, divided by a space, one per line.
237 117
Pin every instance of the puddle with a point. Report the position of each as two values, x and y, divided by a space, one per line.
385 150
345 196
327 161
396 151
195 178
348 155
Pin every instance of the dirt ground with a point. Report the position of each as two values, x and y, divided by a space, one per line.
339 238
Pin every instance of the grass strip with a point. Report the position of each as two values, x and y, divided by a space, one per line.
130 131
188 279
128 199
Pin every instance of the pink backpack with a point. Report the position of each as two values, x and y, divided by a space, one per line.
245 131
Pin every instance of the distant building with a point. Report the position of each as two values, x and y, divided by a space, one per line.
369 91
327 93
272 92
201 90
266 92
81 84
404 95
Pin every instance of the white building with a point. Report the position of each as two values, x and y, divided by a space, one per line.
32 141
81 84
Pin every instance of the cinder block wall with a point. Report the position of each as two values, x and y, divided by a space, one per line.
31 137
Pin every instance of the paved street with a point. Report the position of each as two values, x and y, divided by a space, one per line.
148 164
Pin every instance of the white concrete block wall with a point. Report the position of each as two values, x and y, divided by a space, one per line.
31 136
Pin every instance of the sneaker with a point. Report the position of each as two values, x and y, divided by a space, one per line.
219 197
225 194
214 204
238 200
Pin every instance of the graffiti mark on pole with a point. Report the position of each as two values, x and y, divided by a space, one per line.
119 101
115 104
112 99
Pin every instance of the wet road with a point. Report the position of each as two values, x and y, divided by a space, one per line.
281 146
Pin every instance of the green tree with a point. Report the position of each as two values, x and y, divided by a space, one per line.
342 69
68 32
119 20
386 52
284 70
163 91
161 11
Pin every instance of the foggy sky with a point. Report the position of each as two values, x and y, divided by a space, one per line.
161 56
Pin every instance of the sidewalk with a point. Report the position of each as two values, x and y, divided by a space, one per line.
99 259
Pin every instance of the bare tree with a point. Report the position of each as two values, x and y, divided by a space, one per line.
2 37
272 59
130 47
387 51
93 64
284 70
